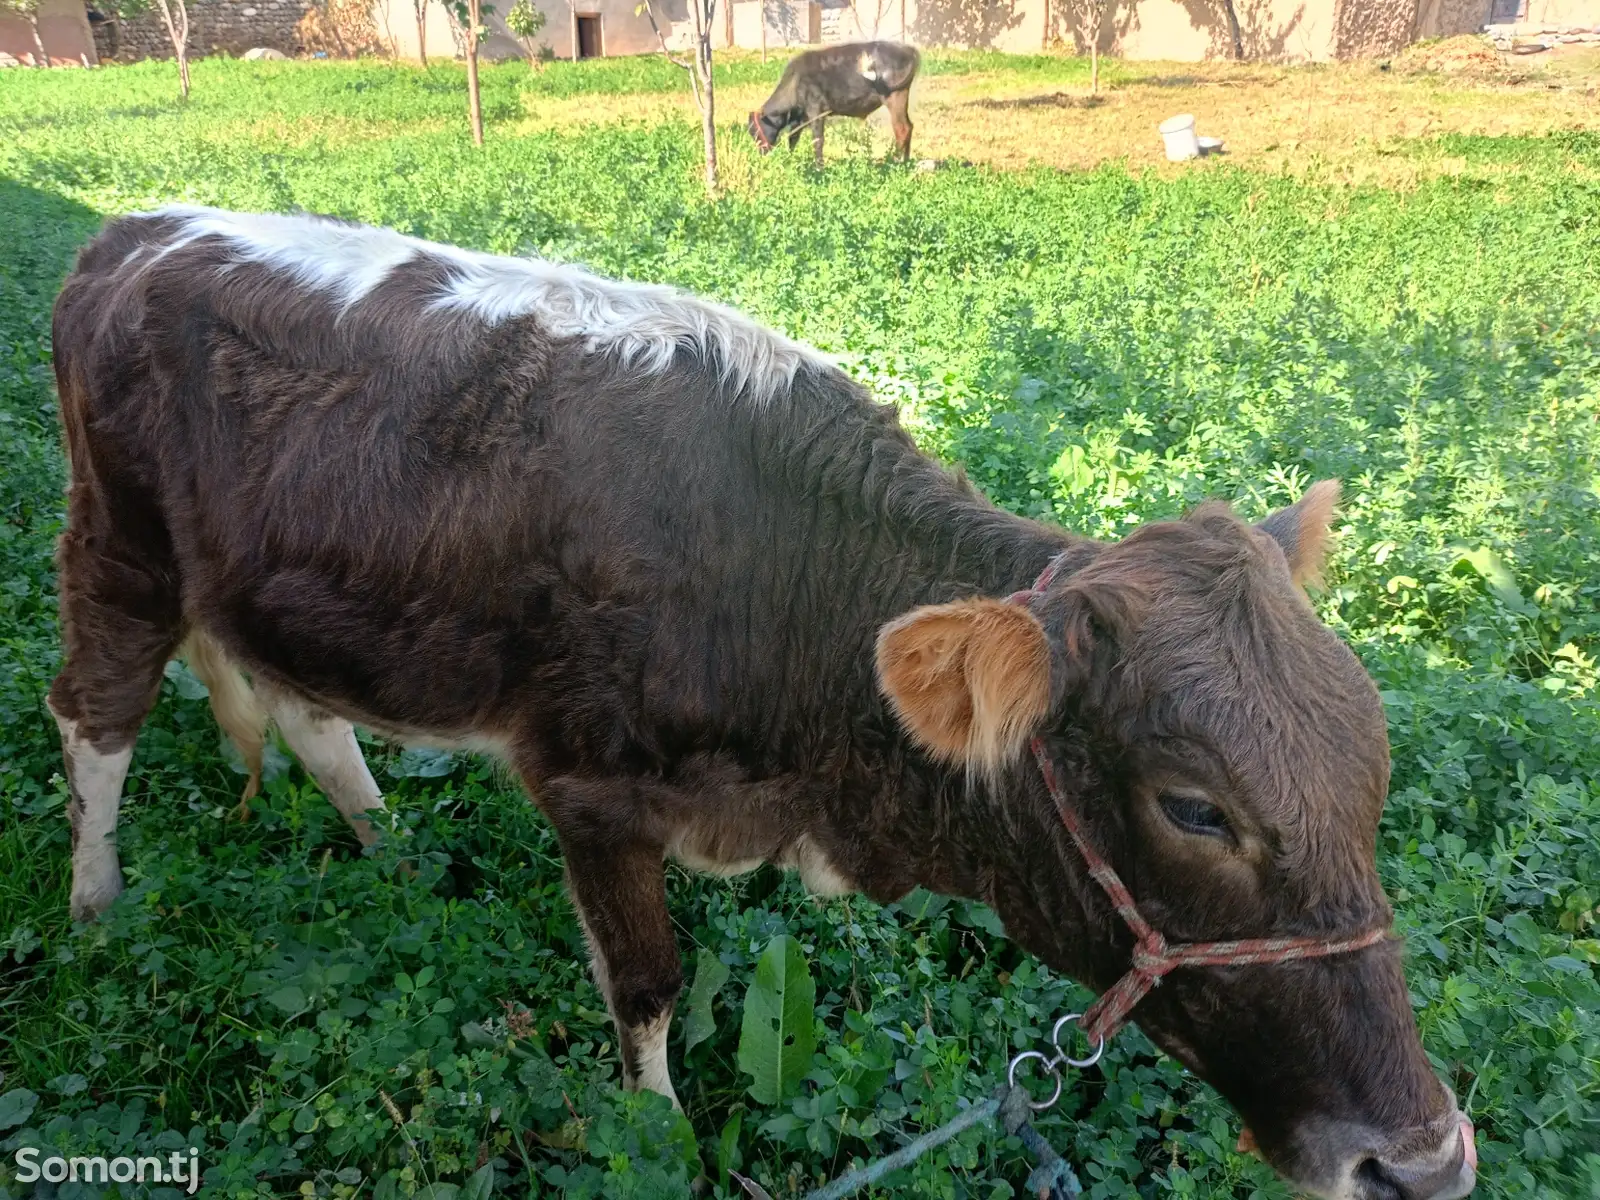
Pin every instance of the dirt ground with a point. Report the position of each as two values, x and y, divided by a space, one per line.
1347 120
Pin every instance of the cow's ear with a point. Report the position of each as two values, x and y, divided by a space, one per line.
1301 530
969 681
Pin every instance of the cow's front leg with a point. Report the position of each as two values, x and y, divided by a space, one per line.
616 875
816 138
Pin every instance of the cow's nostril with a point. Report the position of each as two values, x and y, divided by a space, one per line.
1434 1178
1377 1183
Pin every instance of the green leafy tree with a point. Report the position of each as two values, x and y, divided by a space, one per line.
525 21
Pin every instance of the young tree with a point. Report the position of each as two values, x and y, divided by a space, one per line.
420 7
470 15
1089 18
28 10
702 14
525 21
178 31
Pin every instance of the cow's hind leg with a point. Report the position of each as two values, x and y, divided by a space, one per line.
120 621
326 746
816 137
616 875
898 104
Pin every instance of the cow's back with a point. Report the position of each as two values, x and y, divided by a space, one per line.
435 490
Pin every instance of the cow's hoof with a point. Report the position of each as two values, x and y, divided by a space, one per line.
94 891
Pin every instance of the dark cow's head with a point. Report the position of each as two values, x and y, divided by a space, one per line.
1229 756
764 129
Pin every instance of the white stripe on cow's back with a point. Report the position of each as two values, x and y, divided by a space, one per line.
641 324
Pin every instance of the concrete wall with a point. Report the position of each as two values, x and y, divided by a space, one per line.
63 28
1449 18
622 31
1192 30
1373 28
788 22
1564 12
1177 30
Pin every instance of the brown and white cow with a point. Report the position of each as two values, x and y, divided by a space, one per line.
711 603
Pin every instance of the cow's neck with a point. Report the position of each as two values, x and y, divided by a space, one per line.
942 828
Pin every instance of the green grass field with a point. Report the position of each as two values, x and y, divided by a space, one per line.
1100 348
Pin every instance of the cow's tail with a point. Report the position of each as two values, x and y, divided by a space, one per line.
234 704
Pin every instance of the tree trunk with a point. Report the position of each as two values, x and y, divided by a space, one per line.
116 35
704 12
40 58
1233 28
420 7
178 31
182 43
474 104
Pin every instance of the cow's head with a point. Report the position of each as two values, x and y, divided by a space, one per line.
764 129
1229 756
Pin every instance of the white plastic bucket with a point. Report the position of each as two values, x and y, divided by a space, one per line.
1178 133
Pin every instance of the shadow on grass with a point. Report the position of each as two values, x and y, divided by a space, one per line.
1048 100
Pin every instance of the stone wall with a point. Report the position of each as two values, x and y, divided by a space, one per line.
231 26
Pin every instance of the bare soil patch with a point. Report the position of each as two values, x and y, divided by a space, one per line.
1347 120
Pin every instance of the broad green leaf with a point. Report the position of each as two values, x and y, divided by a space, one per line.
16 1106
978 915
922 905
185 680
728 1156
420 762
438 1191
1495 574
710 974
481 1184
291 999
777 1038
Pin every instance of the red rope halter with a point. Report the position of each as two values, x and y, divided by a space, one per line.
759 129
1153 955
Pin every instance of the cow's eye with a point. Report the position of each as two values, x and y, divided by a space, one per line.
1194 815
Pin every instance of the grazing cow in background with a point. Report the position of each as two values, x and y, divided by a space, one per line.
852 80
710 603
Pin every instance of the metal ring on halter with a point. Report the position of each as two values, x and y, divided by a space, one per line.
1049 1064
1055 1040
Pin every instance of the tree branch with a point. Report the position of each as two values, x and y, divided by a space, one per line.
660 37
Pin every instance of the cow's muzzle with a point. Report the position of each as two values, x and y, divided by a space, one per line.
1437 1161
759 132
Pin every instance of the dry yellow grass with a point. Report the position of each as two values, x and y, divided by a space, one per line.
1343 121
